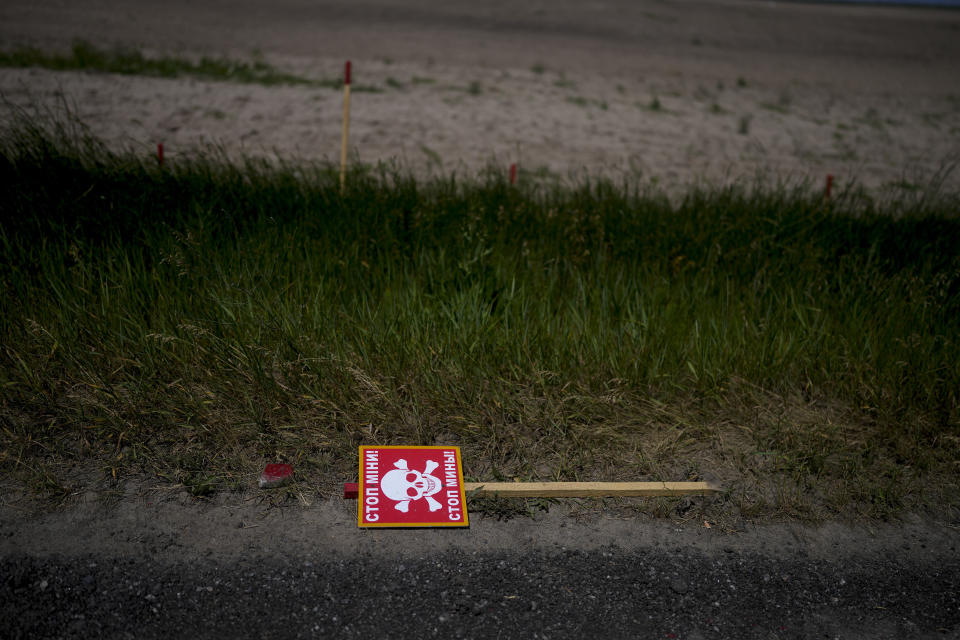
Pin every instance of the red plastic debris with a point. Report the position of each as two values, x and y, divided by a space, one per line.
275 475
351 490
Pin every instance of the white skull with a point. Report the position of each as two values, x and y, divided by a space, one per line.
403 485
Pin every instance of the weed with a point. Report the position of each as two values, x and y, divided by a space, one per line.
777 108
538 68
844 152
701 93
933 120
905 185
506 509
86 56
781 106
580 101
743 125
871 118
474 88
433 157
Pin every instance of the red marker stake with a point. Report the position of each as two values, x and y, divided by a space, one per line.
274 475
513 173
160 153
826 193
346 127
351 490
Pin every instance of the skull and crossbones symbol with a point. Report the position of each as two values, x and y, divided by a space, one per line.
404 485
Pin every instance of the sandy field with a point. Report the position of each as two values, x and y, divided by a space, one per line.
664 91
656 90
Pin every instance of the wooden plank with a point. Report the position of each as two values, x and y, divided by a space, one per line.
587 489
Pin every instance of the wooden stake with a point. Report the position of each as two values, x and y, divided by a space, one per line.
574 489
346 127
587 489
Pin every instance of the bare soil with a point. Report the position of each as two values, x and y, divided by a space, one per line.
668 92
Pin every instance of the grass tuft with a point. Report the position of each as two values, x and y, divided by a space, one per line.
84 56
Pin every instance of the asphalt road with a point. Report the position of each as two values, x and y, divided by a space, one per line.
609 593
160 565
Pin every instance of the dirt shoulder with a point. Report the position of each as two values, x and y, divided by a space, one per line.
155 564
165 523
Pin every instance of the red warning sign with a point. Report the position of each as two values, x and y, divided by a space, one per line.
411 487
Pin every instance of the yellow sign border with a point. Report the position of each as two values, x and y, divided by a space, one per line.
407 525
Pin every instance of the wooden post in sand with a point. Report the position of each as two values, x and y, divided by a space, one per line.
346 127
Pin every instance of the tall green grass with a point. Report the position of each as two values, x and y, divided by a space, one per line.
197 319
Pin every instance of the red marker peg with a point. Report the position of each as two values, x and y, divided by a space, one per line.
346 73
160 153
513 173
275 475
351 490
826 193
